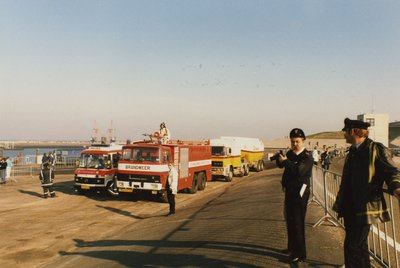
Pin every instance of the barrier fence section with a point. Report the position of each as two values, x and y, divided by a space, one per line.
33 170
382 244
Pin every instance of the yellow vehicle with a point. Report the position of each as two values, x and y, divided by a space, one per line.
236 156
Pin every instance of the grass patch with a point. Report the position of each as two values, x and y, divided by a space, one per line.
327 135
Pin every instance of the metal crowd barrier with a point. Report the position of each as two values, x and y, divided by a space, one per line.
382 241
33 170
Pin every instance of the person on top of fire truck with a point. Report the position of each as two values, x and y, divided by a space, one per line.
165 135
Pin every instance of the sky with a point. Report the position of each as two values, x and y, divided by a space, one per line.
206 68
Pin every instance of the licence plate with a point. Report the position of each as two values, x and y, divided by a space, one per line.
219 173
125 190
85 187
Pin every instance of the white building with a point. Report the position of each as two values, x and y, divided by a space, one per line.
379 129
394 134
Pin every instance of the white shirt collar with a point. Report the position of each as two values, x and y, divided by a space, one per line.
301 150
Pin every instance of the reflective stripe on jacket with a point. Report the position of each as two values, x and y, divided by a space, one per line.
371 166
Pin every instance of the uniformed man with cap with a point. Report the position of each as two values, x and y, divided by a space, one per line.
298 164
360 199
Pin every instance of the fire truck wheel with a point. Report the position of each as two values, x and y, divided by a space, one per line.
164 196
109 189
246 170
230 175
195 185
259 166
202 181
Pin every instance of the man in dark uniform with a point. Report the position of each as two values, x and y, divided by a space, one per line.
46 177
298 164
360 200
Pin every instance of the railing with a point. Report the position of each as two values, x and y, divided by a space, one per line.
382 244
33 169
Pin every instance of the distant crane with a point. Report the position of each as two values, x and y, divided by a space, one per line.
110 133
96 133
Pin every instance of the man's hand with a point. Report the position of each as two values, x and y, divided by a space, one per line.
335 208
282 158
396 193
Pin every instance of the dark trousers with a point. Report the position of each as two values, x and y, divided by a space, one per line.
48 190
356 253
171 201
326 166
296 208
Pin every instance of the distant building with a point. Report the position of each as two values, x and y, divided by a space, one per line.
379 129
394 134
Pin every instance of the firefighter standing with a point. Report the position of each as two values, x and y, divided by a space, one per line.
46 177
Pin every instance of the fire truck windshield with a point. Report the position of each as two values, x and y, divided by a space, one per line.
141 154
96 161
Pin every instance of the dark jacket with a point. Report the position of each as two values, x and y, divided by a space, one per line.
326 158
371 165
3 165
298 169
46 176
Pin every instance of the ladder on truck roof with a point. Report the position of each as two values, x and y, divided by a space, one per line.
189 142
177 142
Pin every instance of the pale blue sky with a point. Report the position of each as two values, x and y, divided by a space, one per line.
205 68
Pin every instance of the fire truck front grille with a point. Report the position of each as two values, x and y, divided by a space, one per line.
89 180
217 163
139 178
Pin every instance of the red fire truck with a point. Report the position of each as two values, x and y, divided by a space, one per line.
144 166
97 167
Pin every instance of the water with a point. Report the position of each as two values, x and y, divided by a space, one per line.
33 151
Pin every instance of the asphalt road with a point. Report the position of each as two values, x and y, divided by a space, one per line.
229 224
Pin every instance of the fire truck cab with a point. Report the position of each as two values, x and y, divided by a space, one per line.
97 167
144 166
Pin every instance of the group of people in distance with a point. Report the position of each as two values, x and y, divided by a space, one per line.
359 201
326 157
51 159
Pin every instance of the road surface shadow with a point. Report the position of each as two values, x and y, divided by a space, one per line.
31 193
174 257
128 214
